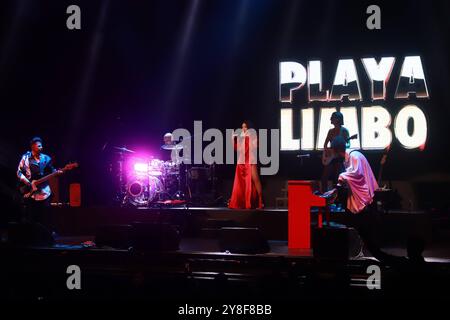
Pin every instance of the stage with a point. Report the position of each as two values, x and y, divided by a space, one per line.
203 222
198 268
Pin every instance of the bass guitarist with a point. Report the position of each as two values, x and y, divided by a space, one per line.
32 166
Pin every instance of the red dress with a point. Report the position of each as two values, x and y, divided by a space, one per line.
244 195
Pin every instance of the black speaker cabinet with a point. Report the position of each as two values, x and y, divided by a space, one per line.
155 237
117 236
141 236
331 243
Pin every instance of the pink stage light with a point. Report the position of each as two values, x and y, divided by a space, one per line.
140 167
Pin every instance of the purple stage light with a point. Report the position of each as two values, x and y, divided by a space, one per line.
140 167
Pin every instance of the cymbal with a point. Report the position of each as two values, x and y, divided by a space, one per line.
123 149
172 147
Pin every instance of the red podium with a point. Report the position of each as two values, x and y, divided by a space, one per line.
300 201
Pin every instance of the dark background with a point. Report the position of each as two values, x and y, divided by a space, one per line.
138 69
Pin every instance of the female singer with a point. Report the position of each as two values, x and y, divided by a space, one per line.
247 190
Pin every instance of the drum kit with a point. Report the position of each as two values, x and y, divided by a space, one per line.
147 182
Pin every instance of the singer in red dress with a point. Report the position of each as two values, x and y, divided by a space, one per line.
247 190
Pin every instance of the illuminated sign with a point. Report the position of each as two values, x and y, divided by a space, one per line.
378 126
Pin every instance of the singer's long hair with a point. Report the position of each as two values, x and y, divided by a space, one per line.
249 124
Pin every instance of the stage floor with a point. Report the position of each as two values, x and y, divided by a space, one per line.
199 228
198 222
198 246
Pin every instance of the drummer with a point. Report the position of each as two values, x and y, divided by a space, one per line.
168 141
173 149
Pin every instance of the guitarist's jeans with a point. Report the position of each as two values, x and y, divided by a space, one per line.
36 211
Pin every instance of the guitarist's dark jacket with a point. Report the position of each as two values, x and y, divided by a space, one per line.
32 170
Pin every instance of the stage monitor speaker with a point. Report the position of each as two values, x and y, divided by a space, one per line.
116 236
29 234
155 237
242 240
355 243
331 243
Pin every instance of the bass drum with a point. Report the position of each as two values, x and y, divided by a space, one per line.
141 192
